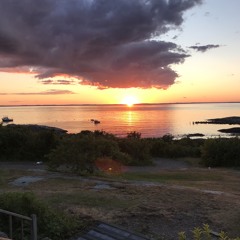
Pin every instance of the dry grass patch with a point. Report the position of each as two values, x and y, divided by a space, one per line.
177 204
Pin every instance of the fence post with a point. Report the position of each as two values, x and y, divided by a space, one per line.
10 227
34 227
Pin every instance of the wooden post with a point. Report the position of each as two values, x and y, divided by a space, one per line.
34 227
10 226
22 230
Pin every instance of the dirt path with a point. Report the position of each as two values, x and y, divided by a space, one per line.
160 164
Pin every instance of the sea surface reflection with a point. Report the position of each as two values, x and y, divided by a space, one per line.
151 120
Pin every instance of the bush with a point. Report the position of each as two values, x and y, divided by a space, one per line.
75 152
221 152
24 143
167 147
205 233
80 152
53 224
138 150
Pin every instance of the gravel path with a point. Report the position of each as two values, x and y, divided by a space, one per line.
159 164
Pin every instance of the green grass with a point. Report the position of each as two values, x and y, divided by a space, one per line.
90 199
166 177
5 176
2 178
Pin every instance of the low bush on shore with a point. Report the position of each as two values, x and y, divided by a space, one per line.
80 152
26 144
221 152
51 223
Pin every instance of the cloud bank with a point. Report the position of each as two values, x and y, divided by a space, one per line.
57 82
204 48
104 43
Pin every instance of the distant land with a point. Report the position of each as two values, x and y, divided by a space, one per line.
108 104
226 120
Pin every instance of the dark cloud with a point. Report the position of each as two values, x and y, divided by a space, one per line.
204 48
104 43
58 82
48 92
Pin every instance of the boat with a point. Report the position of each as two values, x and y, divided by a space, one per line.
96 122
7 119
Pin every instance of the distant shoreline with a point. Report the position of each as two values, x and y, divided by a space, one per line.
39 127
110 104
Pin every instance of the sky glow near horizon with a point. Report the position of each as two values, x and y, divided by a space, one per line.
51 57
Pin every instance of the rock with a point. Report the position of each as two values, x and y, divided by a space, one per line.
235 130
195 135
38 128
225 120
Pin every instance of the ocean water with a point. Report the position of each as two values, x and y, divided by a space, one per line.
152 120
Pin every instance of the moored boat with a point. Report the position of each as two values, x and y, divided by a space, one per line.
7 119
96 122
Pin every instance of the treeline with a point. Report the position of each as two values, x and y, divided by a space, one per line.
88 151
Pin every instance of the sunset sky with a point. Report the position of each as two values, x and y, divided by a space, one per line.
119 51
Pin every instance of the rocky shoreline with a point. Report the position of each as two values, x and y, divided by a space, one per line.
225 120
234 120
235 130
36 127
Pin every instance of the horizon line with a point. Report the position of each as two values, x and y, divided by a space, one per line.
106 104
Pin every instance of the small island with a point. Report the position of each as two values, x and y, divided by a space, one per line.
235 130
195 135
226 120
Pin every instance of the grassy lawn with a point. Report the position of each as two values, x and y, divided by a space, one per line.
176 203
172 176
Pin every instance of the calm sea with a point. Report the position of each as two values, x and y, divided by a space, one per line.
150 120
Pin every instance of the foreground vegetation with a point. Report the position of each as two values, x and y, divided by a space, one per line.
65 207
51 223
86 151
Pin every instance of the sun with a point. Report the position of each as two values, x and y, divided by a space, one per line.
130 100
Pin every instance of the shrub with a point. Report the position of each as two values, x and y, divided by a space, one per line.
80 152
205 233
221 152
134 134
167 147
138 150
24 143
75 152
53 224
